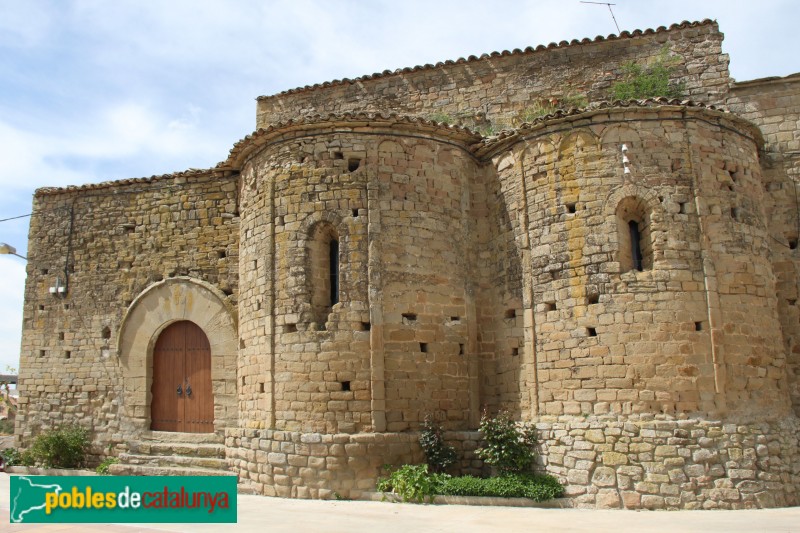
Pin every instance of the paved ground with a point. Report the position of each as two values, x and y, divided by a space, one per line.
265 515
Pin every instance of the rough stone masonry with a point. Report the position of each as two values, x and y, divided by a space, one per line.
624 276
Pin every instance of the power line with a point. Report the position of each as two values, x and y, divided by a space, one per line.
14 218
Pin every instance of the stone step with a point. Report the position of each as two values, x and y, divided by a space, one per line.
214 463
188 449
243 488
122 469
182 438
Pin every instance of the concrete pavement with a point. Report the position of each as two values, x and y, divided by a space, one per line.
262 514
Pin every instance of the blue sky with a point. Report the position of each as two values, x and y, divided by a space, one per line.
102 90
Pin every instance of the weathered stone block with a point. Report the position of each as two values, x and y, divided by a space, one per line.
604 477
614 459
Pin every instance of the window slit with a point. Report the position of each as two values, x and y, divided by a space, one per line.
636 248
333 258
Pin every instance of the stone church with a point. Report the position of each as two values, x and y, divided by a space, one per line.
419 242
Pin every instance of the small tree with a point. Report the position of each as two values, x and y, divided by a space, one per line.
509 446
438 454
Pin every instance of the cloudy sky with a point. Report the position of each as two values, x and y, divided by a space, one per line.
99 90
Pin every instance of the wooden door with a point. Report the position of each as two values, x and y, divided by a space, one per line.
182 397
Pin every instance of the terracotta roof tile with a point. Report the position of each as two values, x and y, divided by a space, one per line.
575 42
490 144
470 140
190 173
241 147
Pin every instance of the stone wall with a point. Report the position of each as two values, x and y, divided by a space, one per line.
398 343
679 336
318 357
315 465
106 244
774 105
496 90
605 462
662 462
328 466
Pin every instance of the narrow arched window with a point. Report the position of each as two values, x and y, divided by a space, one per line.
636 245
333 267
322 274
634 235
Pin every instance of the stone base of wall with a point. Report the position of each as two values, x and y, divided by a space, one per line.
6 441
654 462
634 462
315 465
318 465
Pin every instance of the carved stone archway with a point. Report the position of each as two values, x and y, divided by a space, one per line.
157 307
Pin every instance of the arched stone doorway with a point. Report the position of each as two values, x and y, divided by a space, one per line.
153 312
182 399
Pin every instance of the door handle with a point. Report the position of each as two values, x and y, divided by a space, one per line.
188 390
180 390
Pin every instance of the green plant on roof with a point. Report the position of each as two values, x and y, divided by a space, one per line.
441 117
651 80
547 106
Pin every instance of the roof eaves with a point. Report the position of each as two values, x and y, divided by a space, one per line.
529 50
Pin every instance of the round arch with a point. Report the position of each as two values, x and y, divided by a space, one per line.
157 307
633 203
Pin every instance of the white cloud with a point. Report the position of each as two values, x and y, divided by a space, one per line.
133 134
27 25
24 155
12 272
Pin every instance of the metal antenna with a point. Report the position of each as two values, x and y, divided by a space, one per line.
609 9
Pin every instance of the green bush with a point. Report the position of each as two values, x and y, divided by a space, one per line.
11 456
103 467
64 447
508 447
649 81
535 487
413 483
438 454
6 426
